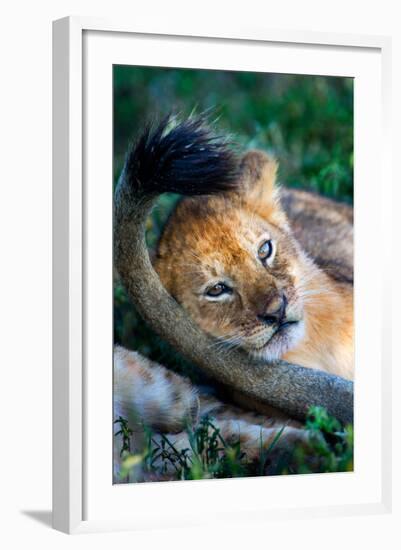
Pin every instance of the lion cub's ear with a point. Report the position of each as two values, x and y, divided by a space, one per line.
258 185
258 173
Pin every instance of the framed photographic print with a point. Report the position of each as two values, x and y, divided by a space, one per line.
218 201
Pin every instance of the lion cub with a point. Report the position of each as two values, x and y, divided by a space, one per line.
258 267
233 262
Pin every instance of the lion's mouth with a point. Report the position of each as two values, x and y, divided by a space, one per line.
285 324
281 334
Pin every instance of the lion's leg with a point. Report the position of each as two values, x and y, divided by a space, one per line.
147 396
148 393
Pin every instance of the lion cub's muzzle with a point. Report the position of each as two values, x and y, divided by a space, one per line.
274 311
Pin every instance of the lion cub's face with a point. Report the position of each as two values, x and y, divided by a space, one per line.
232 262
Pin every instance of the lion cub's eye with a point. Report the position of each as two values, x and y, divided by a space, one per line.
218 290
265 250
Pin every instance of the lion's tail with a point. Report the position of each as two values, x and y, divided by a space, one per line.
185 157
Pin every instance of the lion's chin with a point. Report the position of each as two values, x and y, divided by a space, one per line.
282 341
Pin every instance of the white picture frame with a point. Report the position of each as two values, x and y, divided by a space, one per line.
80 45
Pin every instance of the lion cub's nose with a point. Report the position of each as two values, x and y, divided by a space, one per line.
275 310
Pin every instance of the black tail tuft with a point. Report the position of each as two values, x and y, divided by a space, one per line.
188 159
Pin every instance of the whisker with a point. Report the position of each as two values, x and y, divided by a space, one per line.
223 344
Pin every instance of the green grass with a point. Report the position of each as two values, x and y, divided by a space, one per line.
209 456
306 121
